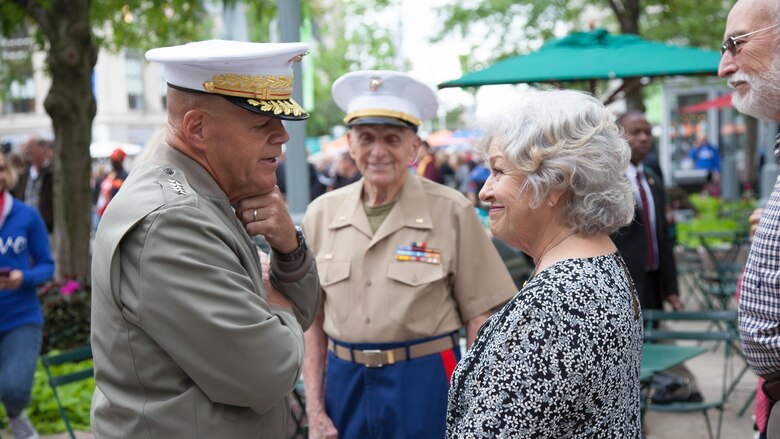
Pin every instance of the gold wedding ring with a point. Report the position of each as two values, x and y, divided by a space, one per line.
254 214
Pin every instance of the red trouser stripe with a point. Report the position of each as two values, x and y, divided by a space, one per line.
449 361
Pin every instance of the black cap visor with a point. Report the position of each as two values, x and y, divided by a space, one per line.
380 120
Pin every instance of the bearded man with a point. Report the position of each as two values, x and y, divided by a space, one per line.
751 63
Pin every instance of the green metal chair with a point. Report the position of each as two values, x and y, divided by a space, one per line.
695 279
72 356
724 331
728 263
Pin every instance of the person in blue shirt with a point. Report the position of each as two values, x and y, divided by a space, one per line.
705 156
25 263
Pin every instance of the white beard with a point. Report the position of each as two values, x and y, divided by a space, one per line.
762 99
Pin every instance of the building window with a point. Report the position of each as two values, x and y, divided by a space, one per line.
21 96
15 62
135 80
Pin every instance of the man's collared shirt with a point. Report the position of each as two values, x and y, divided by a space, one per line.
759 302
631 173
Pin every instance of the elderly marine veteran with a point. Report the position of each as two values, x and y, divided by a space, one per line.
190 338
562 358
750 61
404 265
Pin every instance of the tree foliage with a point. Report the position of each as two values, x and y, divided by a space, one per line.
71 33
260 14
699 23
345 45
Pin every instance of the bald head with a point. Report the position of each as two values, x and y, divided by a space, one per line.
753 70
638 133
629 115
36 150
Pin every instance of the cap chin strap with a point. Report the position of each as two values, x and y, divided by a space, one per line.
382 113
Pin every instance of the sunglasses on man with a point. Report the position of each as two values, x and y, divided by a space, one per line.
732 43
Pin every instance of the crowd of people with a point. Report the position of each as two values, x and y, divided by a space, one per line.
197 332
462 170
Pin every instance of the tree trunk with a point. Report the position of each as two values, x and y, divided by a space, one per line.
634 98
72 55
627 13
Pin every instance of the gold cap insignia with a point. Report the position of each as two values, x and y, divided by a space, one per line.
375 82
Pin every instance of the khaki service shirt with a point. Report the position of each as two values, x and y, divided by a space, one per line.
184 341
369 296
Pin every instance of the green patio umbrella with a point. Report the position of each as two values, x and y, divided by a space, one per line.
597 54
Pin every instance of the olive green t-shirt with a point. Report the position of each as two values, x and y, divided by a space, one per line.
377 214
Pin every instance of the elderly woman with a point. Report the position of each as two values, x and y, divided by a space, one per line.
562 358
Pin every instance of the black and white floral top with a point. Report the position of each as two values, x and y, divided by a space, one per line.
560 360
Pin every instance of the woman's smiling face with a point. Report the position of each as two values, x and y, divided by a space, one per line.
511 219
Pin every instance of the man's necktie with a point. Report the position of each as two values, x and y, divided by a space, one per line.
646 224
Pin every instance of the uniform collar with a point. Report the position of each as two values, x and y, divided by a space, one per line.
411 210
197 176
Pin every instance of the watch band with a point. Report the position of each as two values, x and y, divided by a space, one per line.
295 254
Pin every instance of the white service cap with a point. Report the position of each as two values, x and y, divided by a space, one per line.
254 76
384 97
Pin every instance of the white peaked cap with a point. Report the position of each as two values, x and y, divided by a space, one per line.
384 97
255 76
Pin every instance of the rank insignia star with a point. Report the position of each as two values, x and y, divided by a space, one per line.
177 187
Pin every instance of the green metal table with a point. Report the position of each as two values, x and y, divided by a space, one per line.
658 357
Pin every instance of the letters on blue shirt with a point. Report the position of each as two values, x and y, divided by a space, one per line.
24 245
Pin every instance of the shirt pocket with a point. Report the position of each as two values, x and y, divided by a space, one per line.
332 272
418 291
334 280
414 274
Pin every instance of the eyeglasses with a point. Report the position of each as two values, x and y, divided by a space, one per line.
731 42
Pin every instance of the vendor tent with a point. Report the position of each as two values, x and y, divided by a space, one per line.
593 55
723 101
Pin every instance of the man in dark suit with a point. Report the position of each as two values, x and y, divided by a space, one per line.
645 244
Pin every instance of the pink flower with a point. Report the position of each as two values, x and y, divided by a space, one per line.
70 287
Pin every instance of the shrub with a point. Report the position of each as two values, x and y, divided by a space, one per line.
76 398
715 217
66 311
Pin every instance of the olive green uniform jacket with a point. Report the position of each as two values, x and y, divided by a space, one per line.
185 342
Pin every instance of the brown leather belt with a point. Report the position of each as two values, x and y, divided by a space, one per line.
379 358
771 386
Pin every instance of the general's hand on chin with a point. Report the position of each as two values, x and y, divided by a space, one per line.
266 214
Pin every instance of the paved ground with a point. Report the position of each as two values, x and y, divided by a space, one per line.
708 371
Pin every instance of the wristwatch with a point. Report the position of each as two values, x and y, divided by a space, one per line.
289 257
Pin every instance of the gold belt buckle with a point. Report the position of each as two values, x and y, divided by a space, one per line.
376 358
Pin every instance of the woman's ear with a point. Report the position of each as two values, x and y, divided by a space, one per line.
555 196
